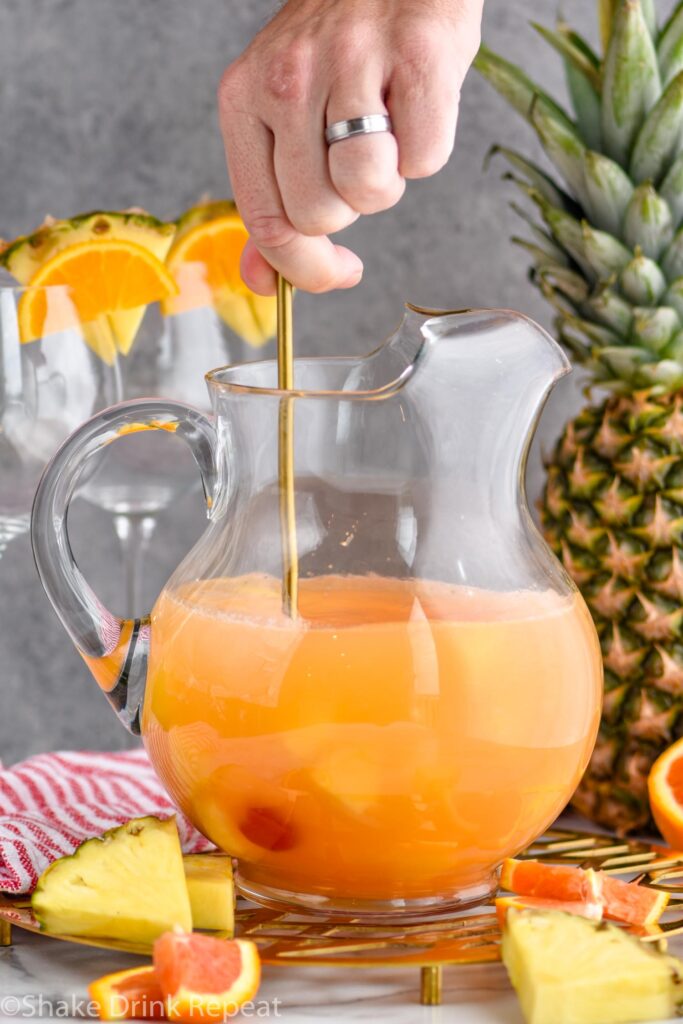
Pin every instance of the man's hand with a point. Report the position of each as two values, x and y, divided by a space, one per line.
321 61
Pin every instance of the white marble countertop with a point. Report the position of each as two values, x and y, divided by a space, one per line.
46 979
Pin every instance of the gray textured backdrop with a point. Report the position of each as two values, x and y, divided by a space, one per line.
110 103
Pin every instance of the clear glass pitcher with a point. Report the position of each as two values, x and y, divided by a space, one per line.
370 680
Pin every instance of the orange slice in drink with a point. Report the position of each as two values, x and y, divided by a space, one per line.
205 979
621 901
205 262
105 286
665 786
131 994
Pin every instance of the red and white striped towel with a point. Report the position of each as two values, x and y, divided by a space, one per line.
50 803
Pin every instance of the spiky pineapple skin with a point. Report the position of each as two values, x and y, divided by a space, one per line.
608 256
613 512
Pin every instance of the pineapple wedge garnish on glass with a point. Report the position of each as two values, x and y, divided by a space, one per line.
607 252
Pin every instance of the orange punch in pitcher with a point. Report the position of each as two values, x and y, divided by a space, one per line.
428 705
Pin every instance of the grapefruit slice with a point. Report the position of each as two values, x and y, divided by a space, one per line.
132 994
205 262
102 279
590 910
665 786
205 979
627 902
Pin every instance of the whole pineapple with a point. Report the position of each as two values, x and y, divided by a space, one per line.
609 257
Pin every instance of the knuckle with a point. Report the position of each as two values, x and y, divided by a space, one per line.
269 230
229 87
417 44
357 35
469 43
288 72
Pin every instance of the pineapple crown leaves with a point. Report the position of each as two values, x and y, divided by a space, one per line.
608 254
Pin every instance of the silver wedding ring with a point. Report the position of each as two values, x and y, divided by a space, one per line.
367 125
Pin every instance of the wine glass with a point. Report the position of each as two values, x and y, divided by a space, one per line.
55 372
139 477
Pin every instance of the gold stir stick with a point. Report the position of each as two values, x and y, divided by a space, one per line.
285 382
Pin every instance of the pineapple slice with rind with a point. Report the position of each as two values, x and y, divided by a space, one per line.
211 890
567 970
25 256
127 884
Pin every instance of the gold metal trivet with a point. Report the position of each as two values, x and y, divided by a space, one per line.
285 382
472 936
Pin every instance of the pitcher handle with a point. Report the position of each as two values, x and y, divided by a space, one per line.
114 649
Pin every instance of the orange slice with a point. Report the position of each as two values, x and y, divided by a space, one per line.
591 910
205 263
631 903
134 993
665 786
621 901
205 979
104 286
217 246
548 881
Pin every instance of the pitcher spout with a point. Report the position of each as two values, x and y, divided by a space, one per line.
501 338
496 367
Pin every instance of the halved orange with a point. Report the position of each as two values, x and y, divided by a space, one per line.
665 787
131 994
104 284
621 901
591 910
205 262
205 979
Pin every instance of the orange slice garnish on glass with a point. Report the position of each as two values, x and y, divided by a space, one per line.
101 286
205 262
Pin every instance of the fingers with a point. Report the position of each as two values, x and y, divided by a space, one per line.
364 168
423 104
311 202
314 264
317 63
259 274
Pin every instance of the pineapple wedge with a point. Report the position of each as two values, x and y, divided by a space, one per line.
211 891
129 884
567 970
